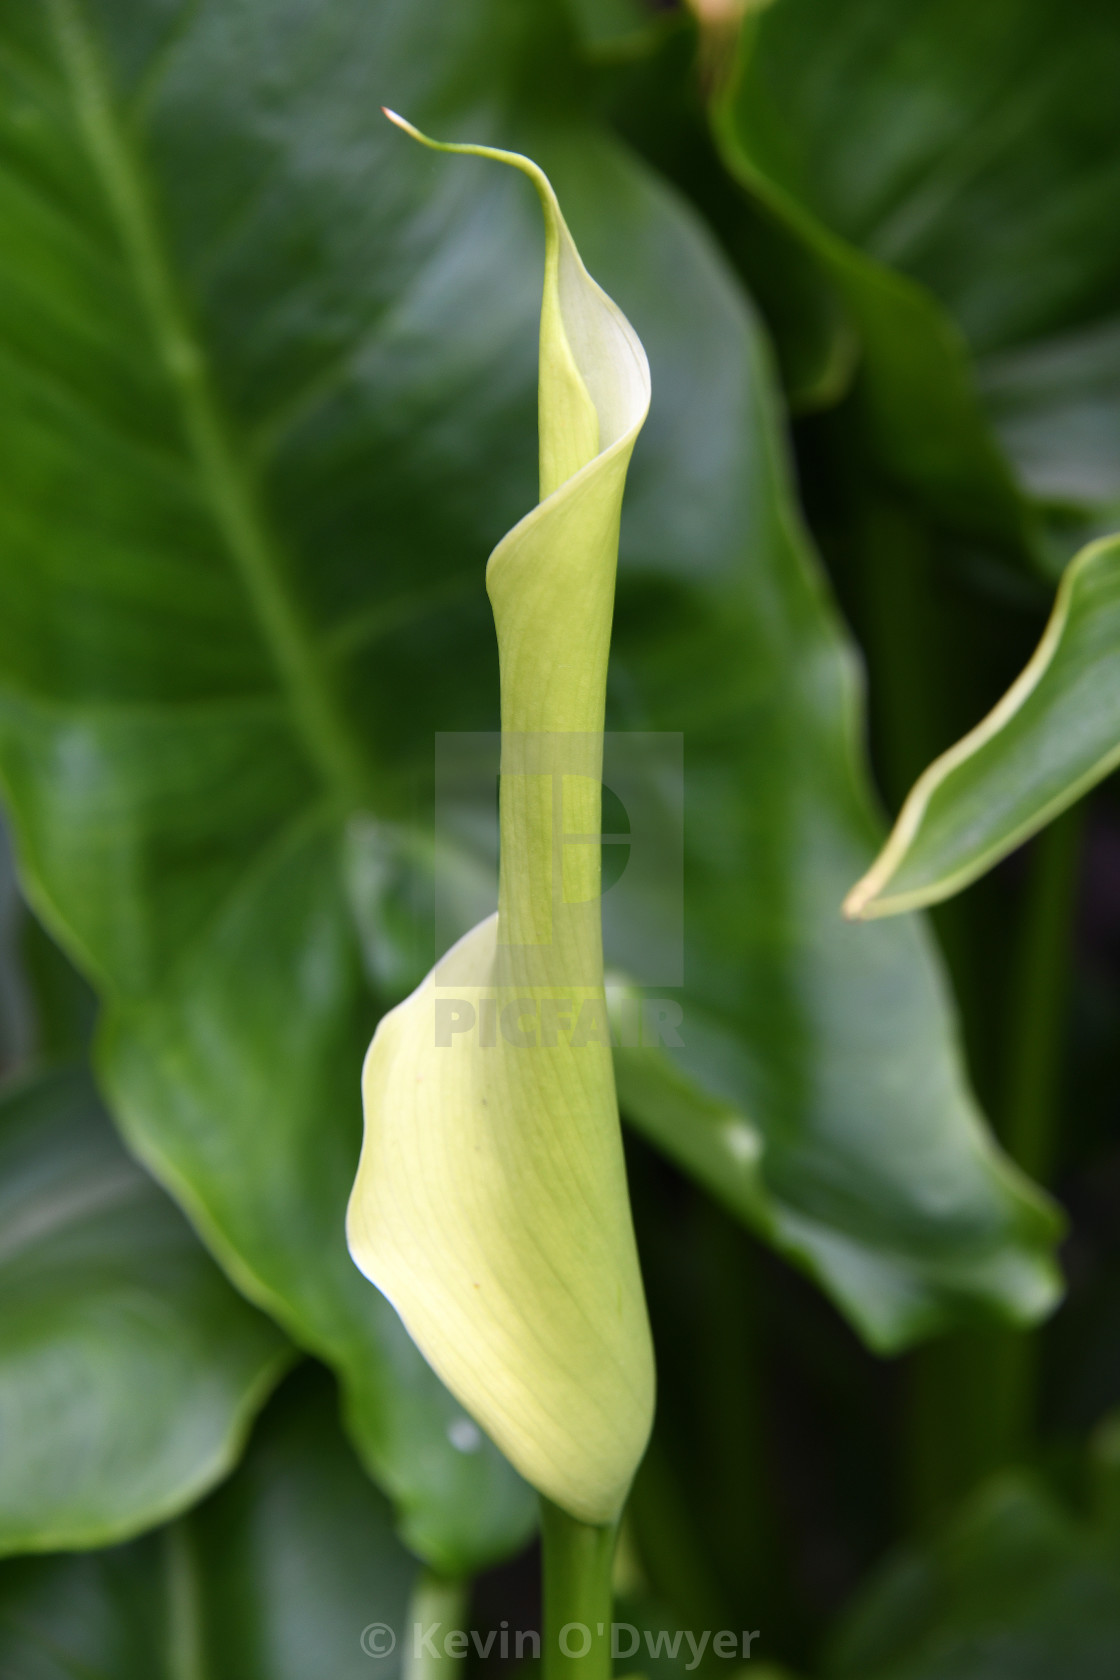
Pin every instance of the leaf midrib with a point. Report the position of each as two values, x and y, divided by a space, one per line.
317 713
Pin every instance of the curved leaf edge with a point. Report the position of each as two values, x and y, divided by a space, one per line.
916 1301
213 1237
868 898
223 1461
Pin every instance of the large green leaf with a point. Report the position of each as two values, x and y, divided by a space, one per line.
129 1369
1017 1586
271 399
952 167
276 1577
177 742
1053 735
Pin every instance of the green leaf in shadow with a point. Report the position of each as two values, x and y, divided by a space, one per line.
948 167
1015 1585
130 1371
275 1577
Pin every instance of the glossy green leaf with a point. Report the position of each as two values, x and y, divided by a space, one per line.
130 1371
177 742
1017 1586
274 1578
270 402
1053 735
490 1204
952 168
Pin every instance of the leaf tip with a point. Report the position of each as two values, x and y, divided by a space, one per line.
854 907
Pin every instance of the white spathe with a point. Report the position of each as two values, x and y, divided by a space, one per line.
491 1205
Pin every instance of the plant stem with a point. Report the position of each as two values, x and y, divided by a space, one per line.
896 607
186 1655
1038 1000
975 1394
674 1546
1039 993
741 1527
434 1599
577 1596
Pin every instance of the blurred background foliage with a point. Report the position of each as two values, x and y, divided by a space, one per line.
269 399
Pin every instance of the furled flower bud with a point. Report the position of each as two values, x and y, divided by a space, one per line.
491 1204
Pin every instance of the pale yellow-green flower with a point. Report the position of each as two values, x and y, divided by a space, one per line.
491 1204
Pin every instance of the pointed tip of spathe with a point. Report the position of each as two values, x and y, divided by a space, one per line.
401 122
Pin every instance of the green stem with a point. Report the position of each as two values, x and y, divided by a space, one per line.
1038 999
673 1545
186 1656
975 1394
1040 989
896 606
578 1600
440 1604
738 1519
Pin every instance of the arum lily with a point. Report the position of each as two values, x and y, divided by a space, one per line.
490 1204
